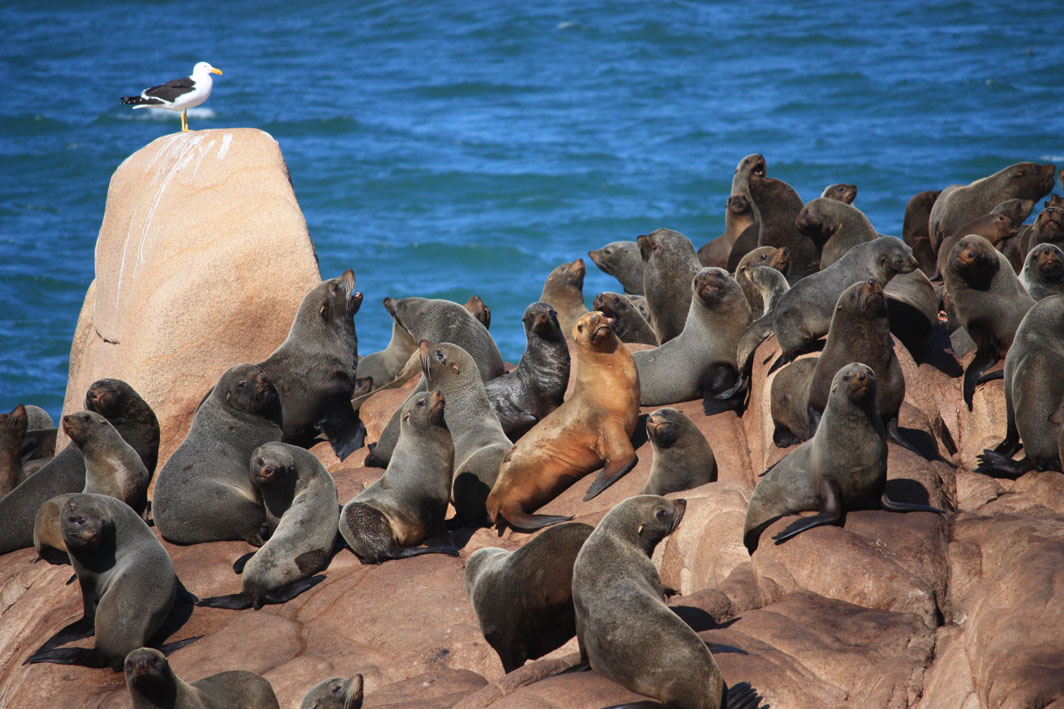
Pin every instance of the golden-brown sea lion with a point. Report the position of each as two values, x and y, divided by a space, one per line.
592 428
564 291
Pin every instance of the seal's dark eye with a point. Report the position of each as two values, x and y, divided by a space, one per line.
241 385
660 514
338 689
579 328
421 402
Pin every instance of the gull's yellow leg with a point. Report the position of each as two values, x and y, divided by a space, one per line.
184 122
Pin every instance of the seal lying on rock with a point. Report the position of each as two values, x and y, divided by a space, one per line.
299 496
524 599
683 458
592 428
335 693
395 514
153 685
842 467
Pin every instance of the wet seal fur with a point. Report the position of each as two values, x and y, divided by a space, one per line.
1034 389
302 513
65 473
153 685
203 493
564 291
127 583
592 428
669 264
989 302
621 259
683 458
1043 271
523 599
842 467
537 386
391 517
335 693
314 368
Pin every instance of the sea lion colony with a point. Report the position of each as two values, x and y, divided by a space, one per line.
468 427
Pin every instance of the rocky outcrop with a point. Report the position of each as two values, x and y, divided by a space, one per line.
201 262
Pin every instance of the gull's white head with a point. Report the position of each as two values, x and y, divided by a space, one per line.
204 68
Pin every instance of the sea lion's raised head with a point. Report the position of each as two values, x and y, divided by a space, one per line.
335 693
975 260
541 319
83 425
148 673
1050 262
84 523
595 331
664 426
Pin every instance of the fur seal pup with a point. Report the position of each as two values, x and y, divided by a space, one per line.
683 458
1033 391
621 259
778 259
842 467
302 513
384 366
738 217
112 468
915 230
701 360
669 264
335 693
592 428
1017 210
203 493
628 322
408 503
314 368
803 313
477 309
1043 271
960 203
127 582
989 302
626 632
524 396
12 433
779 206
995 228
523 599
65 473
436 321
564 291
153 685
479 441
840 192
835 227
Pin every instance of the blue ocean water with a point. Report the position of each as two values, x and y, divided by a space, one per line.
446 149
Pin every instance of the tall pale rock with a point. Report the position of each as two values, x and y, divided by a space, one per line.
202 260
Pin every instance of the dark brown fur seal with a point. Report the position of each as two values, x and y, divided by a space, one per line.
1034 389
203 493
701 360
803 313
335 693
524 396
299 496
669 264
314 368
12 433
621 259
132 418
523 599
564 290
479 441
625 630
841 192
835 227
1043 271
842 467
477 309
762 256
153 685
995 228
989 302
628 322
915 230
127 582
738 217
592 428
1048 228
961 203
391 517
778 206
683 459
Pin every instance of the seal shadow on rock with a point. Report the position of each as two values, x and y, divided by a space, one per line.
314 369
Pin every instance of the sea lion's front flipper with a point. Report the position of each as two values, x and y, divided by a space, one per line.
84 627
893 506
894 434
343 427
830 512
985 357
289 591
239 564
724 389
530 523
742 696
611 473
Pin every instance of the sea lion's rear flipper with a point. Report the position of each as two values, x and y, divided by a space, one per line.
742 696
1002 466
83 657
239 564
84 627
990 376
985 357
611 473
830 512
243 601
407 552
893 506
344 429
894 434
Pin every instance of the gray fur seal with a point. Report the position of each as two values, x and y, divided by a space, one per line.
537 386
763 256
391 517
621 259
628 323
1043 271
335 693
302 513
65 473
915 231
314 368
384 366
841 192
683 458
153 685
564 290
842 467
203 493
669 264
835 227
523 599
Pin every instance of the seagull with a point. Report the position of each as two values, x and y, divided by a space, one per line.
179 94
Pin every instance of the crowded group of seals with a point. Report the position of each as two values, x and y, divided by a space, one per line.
494 443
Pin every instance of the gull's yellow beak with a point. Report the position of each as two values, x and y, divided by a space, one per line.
216 71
